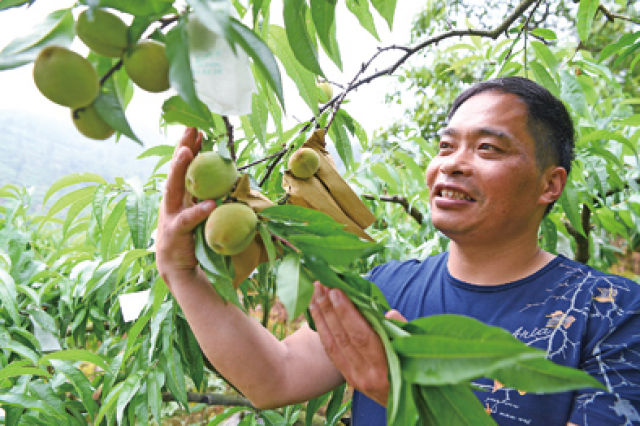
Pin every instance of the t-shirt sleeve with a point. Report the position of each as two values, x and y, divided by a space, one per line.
611 354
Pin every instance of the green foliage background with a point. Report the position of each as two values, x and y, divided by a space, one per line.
63 267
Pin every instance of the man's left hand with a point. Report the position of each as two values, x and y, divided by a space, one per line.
351 343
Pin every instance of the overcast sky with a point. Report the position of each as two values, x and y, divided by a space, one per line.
366 105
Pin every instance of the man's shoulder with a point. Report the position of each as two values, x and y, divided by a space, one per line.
604 287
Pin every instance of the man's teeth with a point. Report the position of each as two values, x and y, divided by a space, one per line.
447 193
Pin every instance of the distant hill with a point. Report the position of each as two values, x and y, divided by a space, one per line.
36 150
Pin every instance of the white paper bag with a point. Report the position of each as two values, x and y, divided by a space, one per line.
223 79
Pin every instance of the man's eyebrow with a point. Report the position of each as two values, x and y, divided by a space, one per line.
482 131
487 131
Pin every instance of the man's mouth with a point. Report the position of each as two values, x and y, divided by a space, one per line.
455 195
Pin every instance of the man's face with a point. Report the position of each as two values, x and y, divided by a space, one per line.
484 183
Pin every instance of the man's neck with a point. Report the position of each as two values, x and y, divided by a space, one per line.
495 264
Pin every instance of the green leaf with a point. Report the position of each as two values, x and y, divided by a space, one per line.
72 179
338 134
628 51
335 402
618 45
291 214
544 78
544 33
67 200
386 9
6 4
80 383
586 13
295 12
174 374
18 368
570 202
176 110
451 349
259 116
382 170
455 405
294 288
543 376
337 250
110 225
451 360
129 388
76 355
108 401
140 210
215 267
110 108
155 380
9 296
323 15
140 8
31 403
304 80
544 54
75 209
633 120
360 10
313 405
180 74
262 57
267 241
159 150
57 28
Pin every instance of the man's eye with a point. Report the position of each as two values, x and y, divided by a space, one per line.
488 147
444 145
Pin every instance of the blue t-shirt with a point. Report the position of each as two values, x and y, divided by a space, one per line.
581 317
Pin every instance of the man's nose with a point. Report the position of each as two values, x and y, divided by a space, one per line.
456 163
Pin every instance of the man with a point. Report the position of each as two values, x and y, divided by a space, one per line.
503 159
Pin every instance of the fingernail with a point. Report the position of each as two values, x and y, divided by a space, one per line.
334 296
207 205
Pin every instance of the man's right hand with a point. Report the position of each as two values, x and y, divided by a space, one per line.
178 215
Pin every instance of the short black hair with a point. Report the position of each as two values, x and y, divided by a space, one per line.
549 121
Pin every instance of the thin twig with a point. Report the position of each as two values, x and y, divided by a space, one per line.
262 160
109 73
230 145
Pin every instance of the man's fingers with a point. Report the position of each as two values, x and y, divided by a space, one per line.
191 139
190 217
349 331
393 314
174 187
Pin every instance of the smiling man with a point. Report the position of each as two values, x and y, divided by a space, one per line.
503 160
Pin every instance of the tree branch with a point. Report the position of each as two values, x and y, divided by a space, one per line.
413 212
518 11
582 241
611 17
212 399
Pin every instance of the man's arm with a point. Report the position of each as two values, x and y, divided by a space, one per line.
268 371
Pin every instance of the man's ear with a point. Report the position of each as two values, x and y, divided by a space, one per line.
553 181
